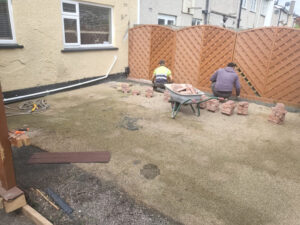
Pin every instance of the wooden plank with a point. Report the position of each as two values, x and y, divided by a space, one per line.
33 215
15 204
1 203
70 157
7 173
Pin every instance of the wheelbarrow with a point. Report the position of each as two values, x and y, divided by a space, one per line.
177 100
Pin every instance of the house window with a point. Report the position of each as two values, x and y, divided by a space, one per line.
264 8
244 4
86 25
7 33
253 6
166 20
196 22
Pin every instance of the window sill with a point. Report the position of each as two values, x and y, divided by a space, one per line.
10 46
89 49
252 11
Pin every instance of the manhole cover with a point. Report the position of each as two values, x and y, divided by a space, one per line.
129 123
150 171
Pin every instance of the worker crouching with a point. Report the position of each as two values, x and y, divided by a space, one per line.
161 76
223 81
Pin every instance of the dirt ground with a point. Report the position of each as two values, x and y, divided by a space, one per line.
212 169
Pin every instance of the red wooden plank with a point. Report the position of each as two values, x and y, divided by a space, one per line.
11 193
69 157
7 173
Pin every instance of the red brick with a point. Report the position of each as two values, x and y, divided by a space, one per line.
242 108
228 107
136 92
212 105
278 114
24 139
203 104
167 96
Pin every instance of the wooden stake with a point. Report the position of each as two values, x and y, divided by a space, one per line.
47 199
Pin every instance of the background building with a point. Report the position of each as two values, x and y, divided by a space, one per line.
235 14
45 42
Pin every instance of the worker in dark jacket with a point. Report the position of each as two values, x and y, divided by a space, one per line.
224 80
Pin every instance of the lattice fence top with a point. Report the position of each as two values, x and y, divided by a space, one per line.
268 59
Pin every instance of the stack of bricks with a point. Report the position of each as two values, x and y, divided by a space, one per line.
18 139
278 114
228 107
242 108
212 105
125 88
203 104
149 93
167 96
136 92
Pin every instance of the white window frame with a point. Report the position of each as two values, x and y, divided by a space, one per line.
251 9
12 27
70 15
244 4
198 21
167 18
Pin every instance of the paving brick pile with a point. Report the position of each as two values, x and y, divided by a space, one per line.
228 107
212 105
167 96
278 114
242 108
18 140
135 92
125 88
149 93
203 104
184 89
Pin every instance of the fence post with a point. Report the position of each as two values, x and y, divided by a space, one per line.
7 173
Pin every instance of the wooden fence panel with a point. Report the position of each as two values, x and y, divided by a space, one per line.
269 58
139 52
283 78
252 54
162 47
217 51
188 55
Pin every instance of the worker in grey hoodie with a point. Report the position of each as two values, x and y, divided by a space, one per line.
223 81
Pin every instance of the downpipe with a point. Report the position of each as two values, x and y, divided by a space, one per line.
42 93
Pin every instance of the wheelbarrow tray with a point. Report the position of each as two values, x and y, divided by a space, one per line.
184 99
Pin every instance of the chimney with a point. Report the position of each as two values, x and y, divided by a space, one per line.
290 20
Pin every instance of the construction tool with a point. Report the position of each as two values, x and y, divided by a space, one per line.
59 201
